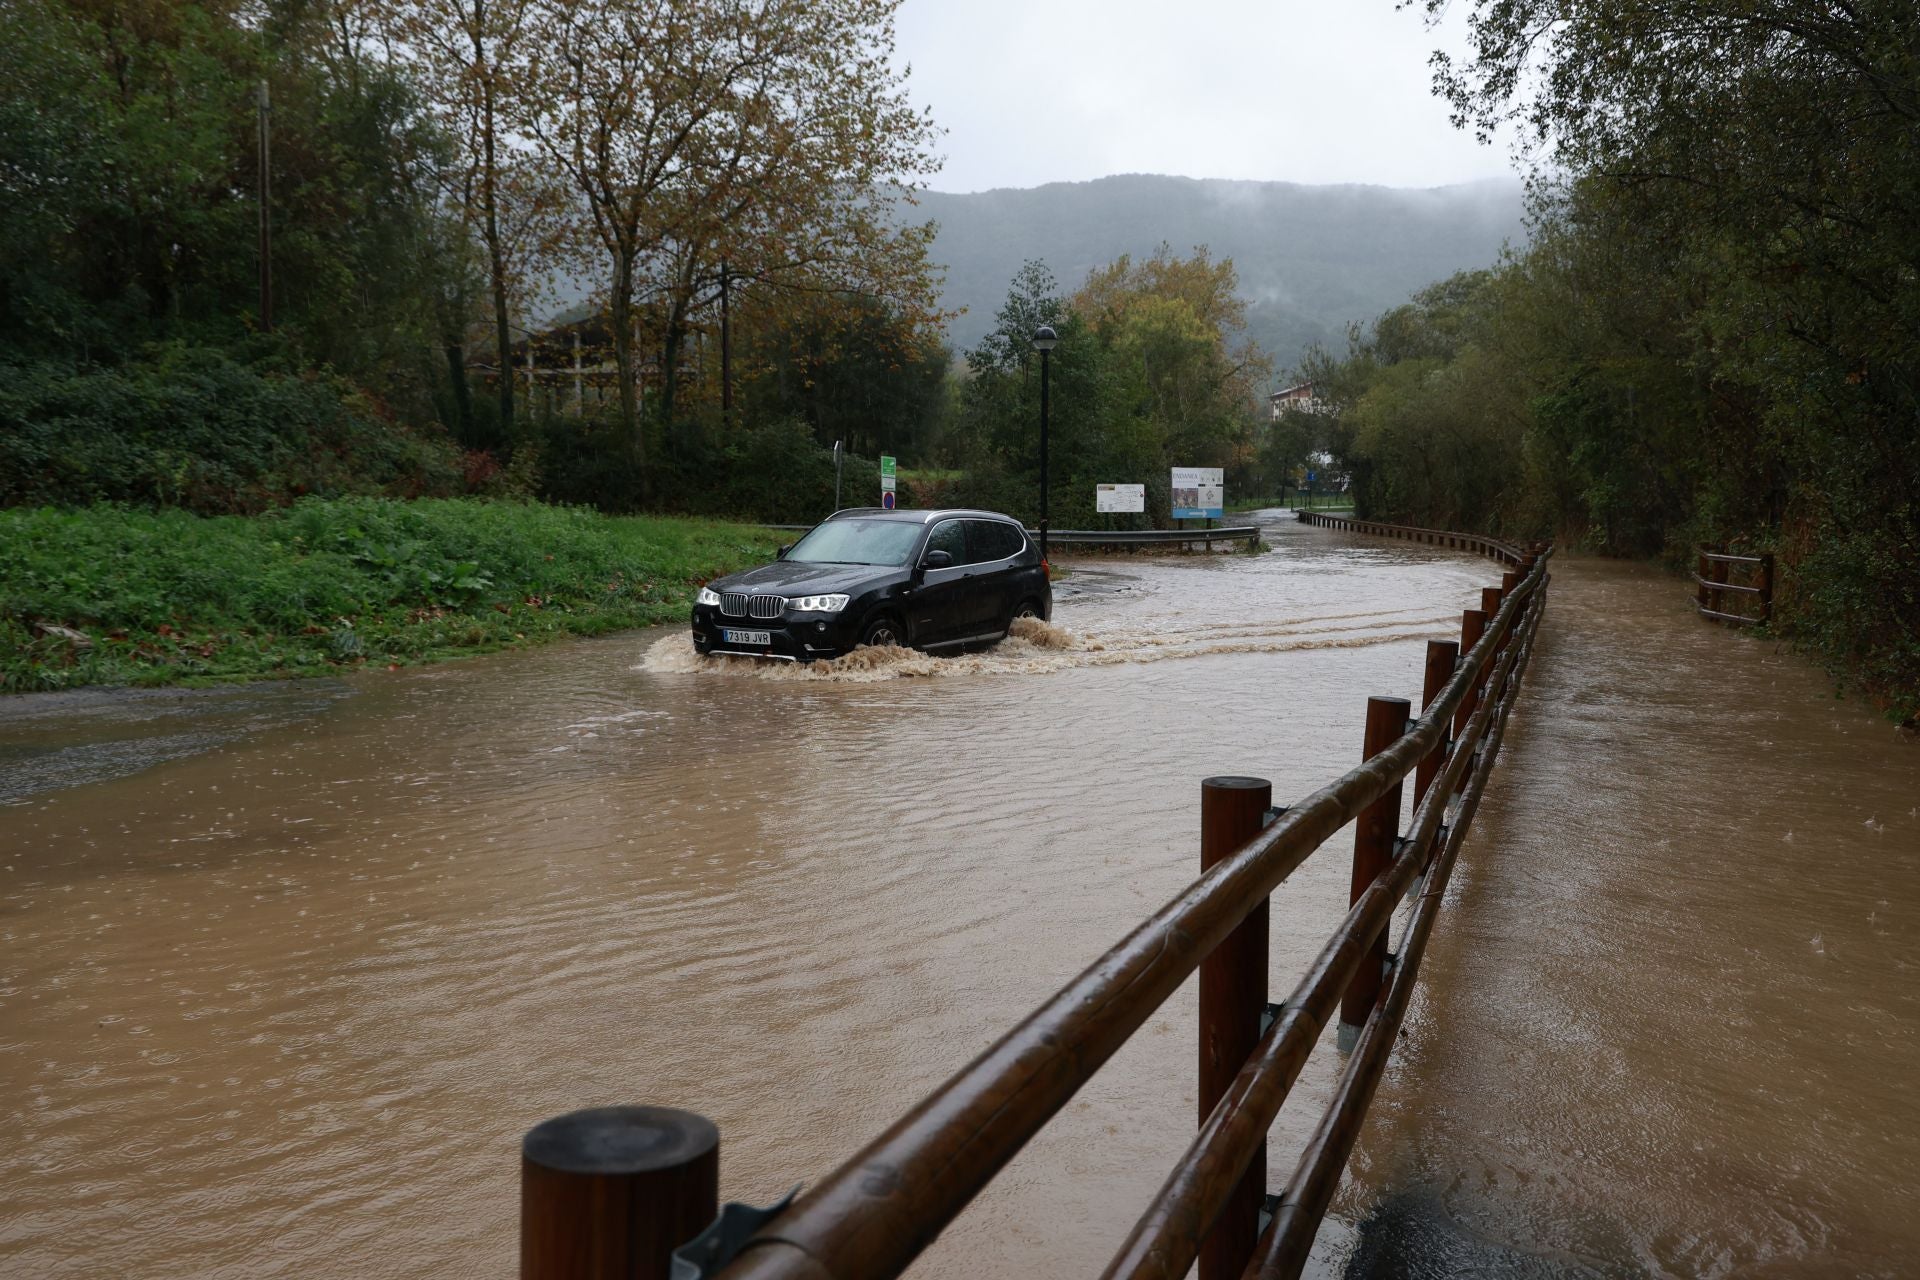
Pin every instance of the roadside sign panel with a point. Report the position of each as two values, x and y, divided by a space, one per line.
1120 497
1199 493
886 482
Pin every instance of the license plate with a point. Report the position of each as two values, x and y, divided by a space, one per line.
746 637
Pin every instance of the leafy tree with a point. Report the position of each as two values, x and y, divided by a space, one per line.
461 54
691 129
1150 372
1714 336
862 374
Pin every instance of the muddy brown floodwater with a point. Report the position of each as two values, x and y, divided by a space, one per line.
286 972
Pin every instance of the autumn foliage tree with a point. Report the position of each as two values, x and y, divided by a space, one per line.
461 54
762 133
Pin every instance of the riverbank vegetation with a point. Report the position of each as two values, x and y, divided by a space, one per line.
1714 336
112 595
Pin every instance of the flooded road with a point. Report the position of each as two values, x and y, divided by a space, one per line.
286 972
1668 1025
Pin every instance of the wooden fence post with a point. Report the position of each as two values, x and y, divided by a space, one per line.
1233 996
1473 625
1766 587
1373 837
1442 657
610 1192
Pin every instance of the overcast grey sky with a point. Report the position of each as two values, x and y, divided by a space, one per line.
1034 91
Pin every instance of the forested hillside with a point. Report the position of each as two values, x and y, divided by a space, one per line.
1311 259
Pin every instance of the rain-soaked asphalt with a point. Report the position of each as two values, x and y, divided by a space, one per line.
286 971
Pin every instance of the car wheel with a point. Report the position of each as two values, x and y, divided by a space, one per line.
882 630
1027 609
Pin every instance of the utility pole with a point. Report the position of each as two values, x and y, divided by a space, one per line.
266 220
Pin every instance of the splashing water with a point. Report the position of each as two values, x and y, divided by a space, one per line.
1034 647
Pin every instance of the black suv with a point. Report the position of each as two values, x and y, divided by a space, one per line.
930 579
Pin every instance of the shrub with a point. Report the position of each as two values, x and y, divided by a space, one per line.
196 429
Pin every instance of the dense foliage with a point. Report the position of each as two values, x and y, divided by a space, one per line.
428 179
1153 370
162 597
190 427
1715 336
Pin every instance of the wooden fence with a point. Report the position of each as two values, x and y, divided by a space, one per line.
1710 584
595 1182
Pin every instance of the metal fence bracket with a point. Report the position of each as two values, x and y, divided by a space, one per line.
713 1249
1270 1015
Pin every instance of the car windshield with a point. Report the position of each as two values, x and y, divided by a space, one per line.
858 542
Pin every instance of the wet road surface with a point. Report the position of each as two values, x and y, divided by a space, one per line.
1668 1024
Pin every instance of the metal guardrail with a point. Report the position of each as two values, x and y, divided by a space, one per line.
1149 537
1505 552
1119 537
870 1218
1710 581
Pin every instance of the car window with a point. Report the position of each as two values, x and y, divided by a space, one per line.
950 536
857 542
992 540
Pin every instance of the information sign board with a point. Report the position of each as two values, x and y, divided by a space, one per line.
1120 497
886 482
1199 493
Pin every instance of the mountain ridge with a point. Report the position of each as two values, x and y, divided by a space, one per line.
1311 258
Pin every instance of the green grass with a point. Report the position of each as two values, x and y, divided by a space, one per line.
324 586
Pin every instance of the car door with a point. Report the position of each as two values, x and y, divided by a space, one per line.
991 546
940 601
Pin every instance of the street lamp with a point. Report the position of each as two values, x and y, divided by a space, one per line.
1044 341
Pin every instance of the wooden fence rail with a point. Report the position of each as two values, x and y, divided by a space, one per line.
1710 583
871 1217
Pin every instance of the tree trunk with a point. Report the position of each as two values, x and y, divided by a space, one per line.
462 394
620 318
490 207
670 365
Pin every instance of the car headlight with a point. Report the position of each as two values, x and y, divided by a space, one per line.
816 604
706 597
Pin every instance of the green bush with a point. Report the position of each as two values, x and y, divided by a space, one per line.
196 429
774 472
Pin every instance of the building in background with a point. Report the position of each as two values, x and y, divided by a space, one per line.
1298 396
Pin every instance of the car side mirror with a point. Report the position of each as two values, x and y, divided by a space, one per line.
936 560
781 554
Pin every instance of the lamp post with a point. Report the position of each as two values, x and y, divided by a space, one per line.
1044 341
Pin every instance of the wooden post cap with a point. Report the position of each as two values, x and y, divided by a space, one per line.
620 1140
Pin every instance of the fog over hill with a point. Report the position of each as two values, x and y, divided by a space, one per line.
1310 258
